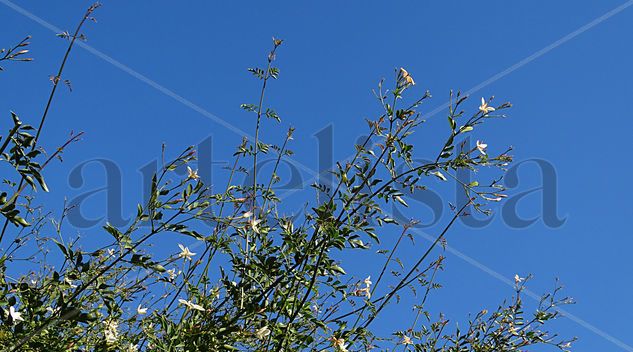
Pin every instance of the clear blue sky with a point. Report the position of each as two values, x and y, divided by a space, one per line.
569 109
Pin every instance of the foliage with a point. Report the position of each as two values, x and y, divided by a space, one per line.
258 280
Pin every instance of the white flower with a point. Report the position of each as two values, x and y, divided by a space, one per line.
247 214
110 337
364 291
484 108
214 293
262 333
566 345
51 310
132 348
192 174
185 252
518 279
406 340
111 331
339 344
287 226
141 311
172 274
406 77
254 225
368 281
15 315
197 307
481 146
191 305
70 282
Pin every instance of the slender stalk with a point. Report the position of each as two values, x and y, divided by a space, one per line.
375 300
217 226
9 54
271 57
208 247
429 285
56 81
8 137
404 280
382 272
374 130
277 161
390 114
345 206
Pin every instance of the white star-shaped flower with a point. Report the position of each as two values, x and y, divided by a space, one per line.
185 252
518 279
192 174
255 225
340 344
70 282
111 331
484 108
140 310
481 146
15 315
262 333
172 274
406 340
406 76
368 281
191 305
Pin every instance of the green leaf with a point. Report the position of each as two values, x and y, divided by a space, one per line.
439 175
465 129
401 201
61 247
113 231
338 269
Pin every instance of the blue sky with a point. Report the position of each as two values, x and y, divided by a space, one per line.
569 110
